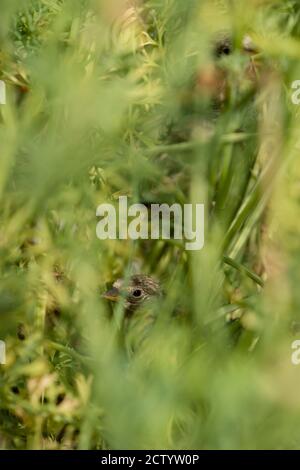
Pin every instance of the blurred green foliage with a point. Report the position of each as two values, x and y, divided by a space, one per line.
144 99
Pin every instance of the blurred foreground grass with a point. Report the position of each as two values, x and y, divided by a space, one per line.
147 99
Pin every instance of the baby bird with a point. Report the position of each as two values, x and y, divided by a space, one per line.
137 292
140 295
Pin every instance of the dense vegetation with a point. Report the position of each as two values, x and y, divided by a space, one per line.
161 101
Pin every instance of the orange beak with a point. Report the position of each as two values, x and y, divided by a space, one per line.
112 294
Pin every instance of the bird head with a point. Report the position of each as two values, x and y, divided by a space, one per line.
135 292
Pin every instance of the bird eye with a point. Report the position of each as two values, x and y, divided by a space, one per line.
137 293
223 47
226 50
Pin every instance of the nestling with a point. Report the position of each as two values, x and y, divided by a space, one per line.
137 291
140 294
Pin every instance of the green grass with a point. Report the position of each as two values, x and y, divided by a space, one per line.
104 102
